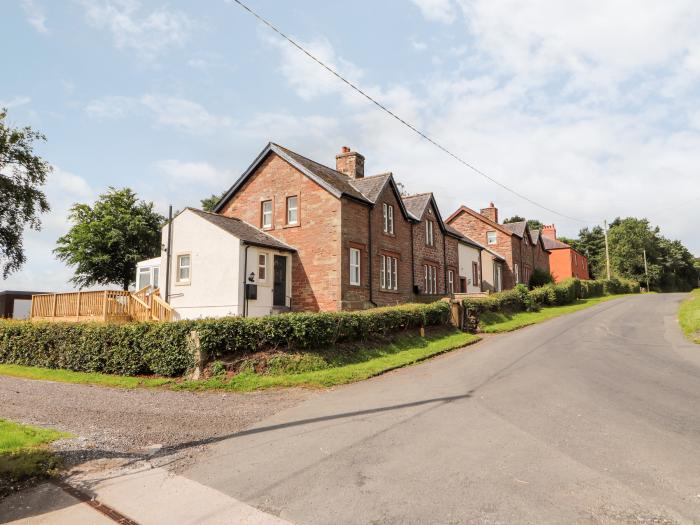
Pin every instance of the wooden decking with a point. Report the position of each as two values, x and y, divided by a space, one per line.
114 306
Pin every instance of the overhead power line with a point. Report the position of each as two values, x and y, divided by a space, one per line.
400 119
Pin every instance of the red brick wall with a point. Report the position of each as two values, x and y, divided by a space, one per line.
398 245
432 255
506 245
563 266
316 267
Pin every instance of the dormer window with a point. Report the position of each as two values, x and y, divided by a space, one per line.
388 211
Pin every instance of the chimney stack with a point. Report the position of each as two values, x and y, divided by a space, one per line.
350 163
549 231
490 213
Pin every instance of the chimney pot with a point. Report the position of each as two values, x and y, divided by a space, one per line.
549 231
350 163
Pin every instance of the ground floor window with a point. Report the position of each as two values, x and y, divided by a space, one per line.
388 267
451 281
430 273
354 266
475 273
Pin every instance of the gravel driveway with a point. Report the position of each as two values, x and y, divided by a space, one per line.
136 424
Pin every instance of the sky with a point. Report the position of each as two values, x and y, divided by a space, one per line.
590 108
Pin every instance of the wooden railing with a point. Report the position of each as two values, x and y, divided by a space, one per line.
104 305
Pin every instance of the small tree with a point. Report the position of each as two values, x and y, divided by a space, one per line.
210 203
109 238
22 174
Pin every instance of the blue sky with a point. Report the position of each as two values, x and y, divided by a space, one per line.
590 108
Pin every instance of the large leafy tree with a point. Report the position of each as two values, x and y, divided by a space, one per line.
22 201
108 238
671 266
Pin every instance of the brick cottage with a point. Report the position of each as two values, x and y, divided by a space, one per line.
523 250
358 242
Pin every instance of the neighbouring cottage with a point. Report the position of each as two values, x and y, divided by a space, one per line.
564 261
521 251
220 266
348 241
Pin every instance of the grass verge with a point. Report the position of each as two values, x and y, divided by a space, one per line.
333 368
497 322
24 457
87 378
689 316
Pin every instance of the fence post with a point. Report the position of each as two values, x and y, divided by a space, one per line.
200 356
77 312
104 305
53 309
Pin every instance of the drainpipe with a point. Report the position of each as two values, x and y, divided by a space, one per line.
369 225
245 276
413 262
168 257
444 262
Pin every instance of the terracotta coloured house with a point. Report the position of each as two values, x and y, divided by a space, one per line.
522 251
564 261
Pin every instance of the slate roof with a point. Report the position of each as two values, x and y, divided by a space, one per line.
371 186
553 244
518 228
242 230
416 204
337 180
338 184
449 229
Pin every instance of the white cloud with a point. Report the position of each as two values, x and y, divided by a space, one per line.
183 114
307 78
437 10
14 102
419 45
149 34
179 113
179 173
539 104
35 15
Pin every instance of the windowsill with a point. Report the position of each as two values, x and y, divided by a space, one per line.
267 228
183 283
387 234
383 290
355 285
296 225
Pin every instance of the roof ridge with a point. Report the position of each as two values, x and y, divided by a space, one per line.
307 158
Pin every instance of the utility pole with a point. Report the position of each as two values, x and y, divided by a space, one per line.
607 249
646 270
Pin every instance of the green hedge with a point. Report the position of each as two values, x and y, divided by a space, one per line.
566 292
162 349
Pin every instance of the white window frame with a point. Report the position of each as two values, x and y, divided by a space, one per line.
266 224
491 238
294 209
430 277
179 267
355 267
262 267
429 234
517 273
388 212
143 270
451 281
155 276
388 272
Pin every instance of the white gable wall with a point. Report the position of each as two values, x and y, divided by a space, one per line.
468 255
215 277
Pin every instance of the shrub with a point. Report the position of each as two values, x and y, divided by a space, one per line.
162 348
540 277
